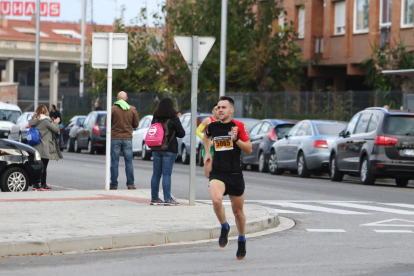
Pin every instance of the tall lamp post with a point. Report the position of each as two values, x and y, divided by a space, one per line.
223 47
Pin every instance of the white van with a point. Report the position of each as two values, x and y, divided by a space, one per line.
9 113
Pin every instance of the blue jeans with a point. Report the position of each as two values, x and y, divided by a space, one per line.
163 162
126 147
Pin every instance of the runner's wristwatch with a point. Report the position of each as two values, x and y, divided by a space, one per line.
236 139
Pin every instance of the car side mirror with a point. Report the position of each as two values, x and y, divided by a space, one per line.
286 136
342 133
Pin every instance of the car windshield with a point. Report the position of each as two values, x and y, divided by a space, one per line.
249 123
283 130
101 120
329 129
80 121
399 125
9 115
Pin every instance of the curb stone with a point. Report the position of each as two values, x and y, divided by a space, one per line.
131 240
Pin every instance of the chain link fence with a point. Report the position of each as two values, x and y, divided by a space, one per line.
293 105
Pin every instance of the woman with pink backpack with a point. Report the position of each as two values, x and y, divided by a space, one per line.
165 119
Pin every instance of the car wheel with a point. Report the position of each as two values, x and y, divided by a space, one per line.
145 155
273 167
91 149
200 156
76 146
303 170
185 159
365 175
401 182
14 179
262 163
334 172
69 146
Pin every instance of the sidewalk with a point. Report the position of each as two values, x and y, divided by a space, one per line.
64 221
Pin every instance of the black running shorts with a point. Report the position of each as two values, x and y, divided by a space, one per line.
234 182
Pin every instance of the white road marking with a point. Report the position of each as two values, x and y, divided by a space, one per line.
384 223
371 208
280 211
393 231
403 205
326 230
316 208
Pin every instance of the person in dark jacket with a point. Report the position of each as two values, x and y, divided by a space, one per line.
163 161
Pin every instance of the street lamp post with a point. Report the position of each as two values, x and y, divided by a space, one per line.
223 47
36 94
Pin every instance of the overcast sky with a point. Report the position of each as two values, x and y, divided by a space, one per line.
104 11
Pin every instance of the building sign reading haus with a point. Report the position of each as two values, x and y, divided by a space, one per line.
20 8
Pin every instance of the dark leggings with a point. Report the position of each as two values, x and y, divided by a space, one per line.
44 174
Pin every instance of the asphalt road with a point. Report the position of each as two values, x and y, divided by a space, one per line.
341 228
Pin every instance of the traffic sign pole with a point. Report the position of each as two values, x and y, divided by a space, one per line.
108 114
194 88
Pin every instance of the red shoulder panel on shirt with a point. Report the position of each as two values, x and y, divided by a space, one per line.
243 133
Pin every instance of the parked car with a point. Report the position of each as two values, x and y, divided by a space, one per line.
138 144
91 133
184 143
9 113
248 122
377 143
262 136
18 131
306 148
20 166
68 133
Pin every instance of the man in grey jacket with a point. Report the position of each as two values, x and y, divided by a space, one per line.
48 147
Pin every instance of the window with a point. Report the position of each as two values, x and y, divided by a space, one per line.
340 17
255 129
385 13
9 115
301 25
80 121
282 130
399 125
363 123
281 20
330 129
30 31
351 126
265 128
361 16
68 33
303 129
373 124
294 129
407 13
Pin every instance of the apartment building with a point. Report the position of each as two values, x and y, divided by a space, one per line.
336 36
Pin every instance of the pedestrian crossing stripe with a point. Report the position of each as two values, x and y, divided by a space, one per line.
326 206
385 223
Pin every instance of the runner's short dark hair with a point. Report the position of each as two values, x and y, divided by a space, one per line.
225 98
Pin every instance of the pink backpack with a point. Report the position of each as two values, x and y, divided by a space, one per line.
156 138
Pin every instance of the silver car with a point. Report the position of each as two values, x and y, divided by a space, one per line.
306 148
138 144
18 131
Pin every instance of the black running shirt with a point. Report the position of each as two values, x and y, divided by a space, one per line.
226 152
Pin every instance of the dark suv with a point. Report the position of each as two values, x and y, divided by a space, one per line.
377 143
92 133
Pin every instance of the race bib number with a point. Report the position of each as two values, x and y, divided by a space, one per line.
222 143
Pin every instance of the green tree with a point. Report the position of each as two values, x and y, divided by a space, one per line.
260 55
143 73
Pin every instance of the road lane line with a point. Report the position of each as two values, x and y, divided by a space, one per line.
371 208
393 231
403 205
280 211
326 230
317 208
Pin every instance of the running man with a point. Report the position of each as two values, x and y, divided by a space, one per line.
201 127
230 137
